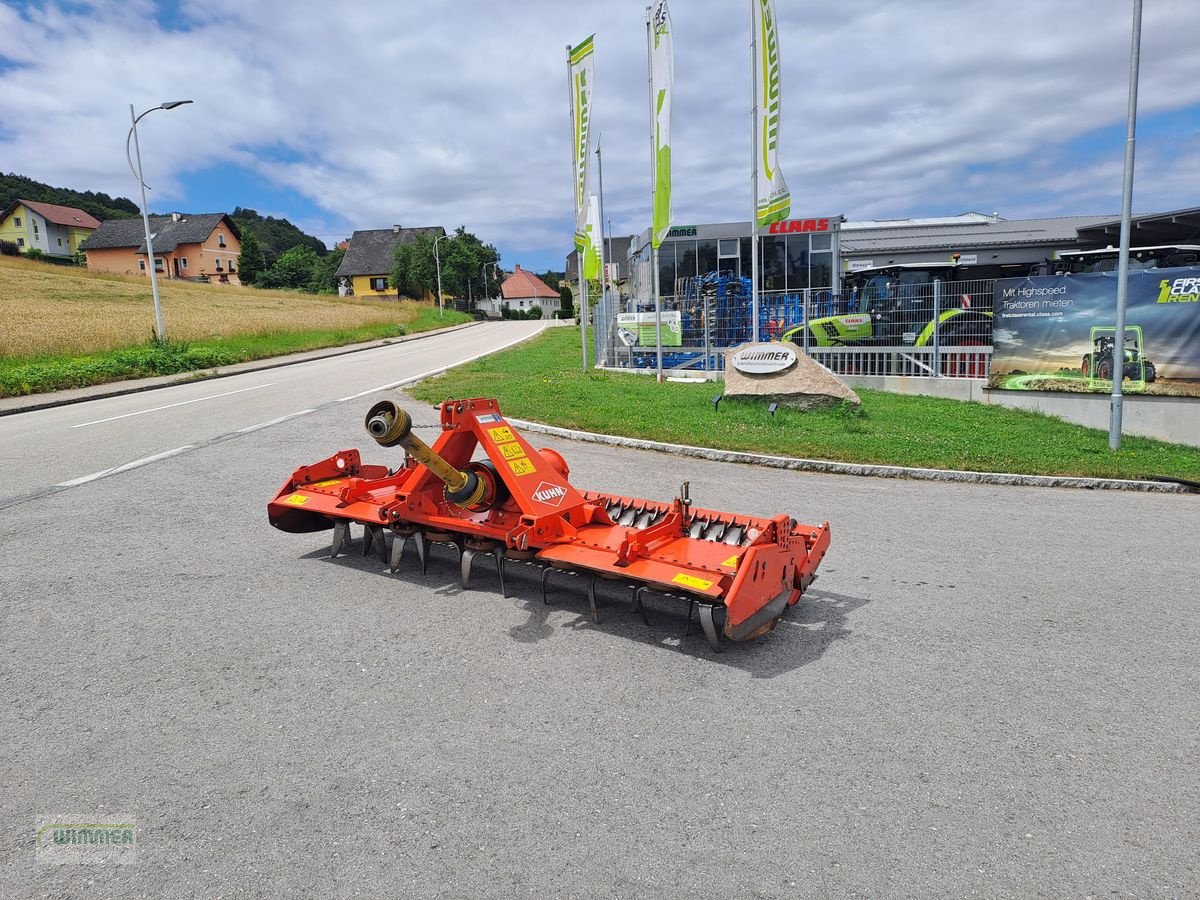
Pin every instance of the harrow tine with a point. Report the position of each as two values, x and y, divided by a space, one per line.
592 599
627 516
697 528
545 575
714 531
709 626
398 543
733 536
468 557
638 606
422 550
341 536
372 538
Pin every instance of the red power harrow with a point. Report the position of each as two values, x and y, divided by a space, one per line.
738 571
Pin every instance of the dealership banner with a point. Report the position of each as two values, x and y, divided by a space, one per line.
579 66
637 329
1056 333
662 81
773 201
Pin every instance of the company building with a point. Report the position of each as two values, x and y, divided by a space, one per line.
821 252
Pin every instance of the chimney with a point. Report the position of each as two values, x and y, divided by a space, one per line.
174 217
516 268
395 229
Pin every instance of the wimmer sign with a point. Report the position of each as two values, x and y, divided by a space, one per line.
1056 332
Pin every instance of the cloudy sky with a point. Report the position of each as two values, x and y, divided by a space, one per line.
415 112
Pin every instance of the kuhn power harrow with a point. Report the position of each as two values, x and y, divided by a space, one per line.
738 571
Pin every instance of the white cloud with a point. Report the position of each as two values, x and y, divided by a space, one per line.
424 112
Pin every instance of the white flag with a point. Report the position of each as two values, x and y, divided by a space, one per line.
579 64
662 79
773 201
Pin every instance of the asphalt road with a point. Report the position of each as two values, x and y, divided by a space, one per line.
990 692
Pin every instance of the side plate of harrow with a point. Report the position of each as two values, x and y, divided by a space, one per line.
738 573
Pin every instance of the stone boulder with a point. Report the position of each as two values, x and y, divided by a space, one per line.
804 384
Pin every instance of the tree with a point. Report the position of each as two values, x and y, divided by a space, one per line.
566 300
324 280
413 270
250 260
275 235
294 269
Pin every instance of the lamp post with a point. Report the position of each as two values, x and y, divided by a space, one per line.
438 262
159 327
483 273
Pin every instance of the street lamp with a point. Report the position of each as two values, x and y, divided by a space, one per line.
483 274
159 328
438 262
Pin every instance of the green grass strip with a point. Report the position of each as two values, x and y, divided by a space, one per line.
541 380
34 375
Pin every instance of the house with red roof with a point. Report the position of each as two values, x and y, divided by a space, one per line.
55 230
520 292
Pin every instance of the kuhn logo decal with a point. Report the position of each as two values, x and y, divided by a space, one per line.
550 494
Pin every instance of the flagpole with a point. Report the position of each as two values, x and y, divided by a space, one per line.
603 249
582 312
653 186
754 284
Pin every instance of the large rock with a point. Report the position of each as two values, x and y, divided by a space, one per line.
804 384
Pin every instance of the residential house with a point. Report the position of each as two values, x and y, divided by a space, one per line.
366 269
522 290
185 246
55 230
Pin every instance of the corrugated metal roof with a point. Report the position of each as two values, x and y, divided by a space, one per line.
898 238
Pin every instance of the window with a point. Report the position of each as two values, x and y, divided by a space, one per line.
17 221
231 268
183 263
35 229
379 284
219 269
159 264
220 239
20 242
60 242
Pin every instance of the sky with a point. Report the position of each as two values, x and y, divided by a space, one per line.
413 112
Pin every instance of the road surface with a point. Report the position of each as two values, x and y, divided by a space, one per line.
989 692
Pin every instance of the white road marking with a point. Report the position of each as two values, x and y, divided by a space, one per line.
437 371
137 463
172 405
303 412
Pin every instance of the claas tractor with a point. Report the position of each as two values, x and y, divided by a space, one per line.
895 306
482 489
1099 363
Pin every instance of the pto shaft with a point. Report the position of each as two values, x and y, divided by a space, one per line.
390 425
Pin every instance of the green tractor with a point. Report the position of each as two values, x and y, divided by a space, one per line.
896 306
1099 363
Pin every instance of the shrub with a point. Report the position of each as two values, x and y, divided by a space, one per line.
9 248
34 253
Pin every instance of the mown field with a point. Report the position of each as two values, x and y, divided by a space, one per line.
541 380
65 327
49 309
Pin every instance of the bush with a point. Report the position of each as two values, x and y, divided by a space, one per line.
9 248
34 253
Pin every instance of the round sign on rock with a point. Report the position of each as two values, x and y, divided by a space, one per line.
760 359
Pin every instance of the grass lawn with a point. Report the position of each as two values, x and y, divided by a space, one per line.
64 327
541 380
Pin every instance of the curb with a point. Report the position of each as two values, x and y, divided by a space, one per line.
140 385
827 467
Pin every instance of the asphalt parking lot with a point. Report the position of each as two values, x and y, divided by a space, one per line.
989 692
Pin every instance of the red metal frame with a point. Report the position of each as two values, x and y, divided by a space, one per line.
536 510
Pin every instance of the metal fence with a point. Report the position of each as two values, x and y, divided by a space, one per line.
932 329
